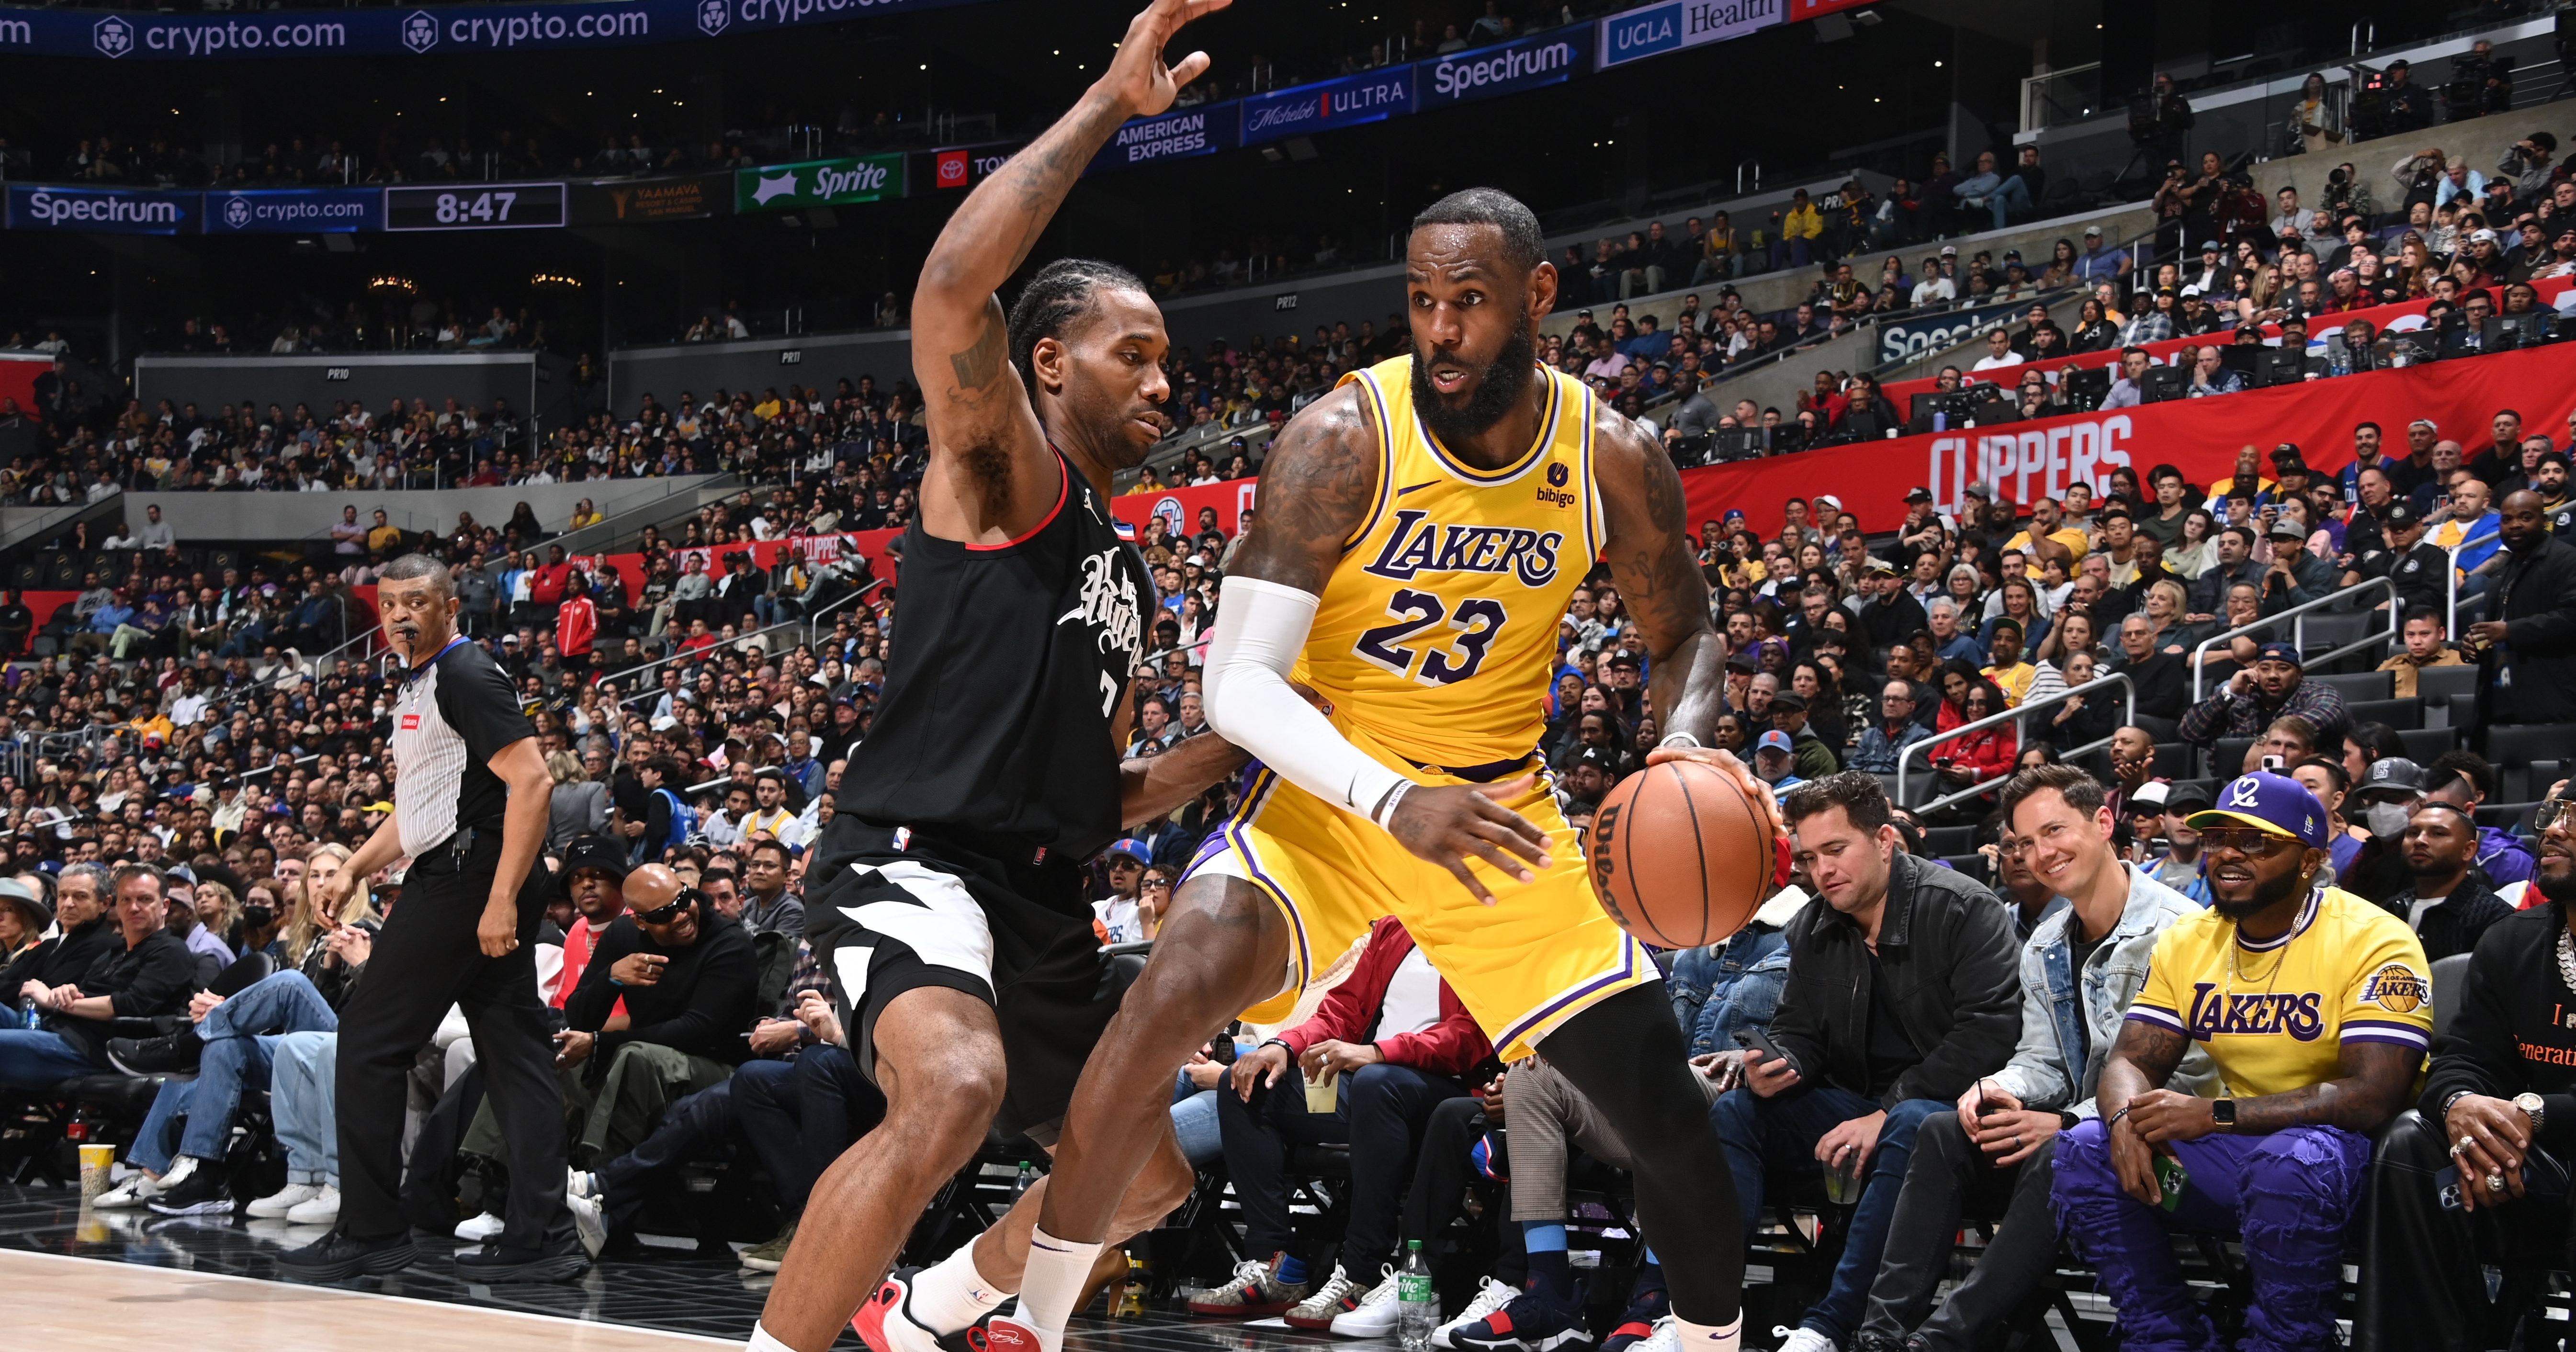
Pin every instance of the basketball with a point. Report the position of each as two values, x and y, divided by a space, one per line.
1679 856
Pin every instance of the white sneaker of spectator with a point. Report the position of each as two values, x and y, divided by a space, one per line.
588 1220
481 1228
141 1188
1667 1337
1492 1296
1798 1339
282 1201
580 1183
322 1208
1374 1317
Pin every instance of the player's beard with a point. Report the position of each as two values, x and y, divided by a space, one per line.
1498 387
2265 894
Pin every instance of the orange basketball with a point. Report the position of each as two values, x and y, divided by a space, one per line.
1679 856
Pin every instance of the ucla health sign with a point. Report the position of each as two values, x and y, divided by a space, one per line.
1676 24
295 210
1530 63
1346 102
433 31
104 211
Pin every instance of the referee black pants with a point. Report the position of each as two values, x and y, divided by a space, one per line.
426 959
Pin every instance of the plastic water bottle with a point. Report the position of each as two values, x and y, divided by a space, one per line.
27 1015
1028 1179
1417 1309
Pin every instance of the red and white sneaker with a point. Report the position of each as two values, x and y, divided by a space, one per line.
885 1322
1003 1333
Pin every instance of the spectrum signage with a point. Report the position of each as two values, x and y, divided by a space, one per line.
1483 72
104 211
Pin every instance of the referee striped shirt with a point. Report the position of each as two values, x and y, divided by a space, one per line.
454 713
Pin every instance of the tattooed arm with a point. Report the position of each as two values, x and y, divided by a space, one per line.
990 476
1662 586
2142 1059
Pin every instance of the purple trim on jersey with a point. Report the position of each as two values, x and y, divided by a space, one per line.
1627 970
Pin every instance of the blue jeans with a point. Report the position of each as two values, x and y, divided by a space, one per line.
2013 195
302 1074
1194 1122
34 1058
240 1038
1781 1133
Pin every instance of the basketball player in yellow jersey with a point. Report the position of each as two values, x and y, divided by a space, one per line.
1421 529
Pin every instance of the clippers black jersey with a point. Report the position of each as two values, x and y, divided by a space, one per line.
1007 668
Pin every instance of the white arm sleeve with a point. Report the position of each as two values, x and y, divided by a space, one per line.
1260 628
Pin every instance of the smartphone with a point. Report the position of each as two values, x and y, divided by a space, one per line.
2170 1178
1757 1040
2275 764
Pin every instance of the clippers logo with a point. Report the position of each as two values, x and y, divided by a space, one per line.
420 31
713 15
2250 1015
112 36
2396 988
1414 545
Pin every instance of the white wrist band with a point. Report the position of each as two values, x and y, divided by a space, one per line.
1680 739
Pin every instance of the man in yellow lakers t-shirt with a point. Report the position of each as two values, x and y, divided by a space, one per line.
2317 1007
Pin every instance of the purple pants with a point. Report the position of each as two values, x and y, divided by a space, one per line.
2291 1195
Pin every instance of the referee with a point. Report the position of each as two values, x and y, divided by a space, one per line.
470 812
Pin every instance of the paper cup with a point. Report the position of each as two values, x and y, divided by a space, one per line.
96 1163
1325 1097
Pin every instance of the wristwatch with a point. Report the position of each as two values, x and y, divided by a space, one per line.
2531 1108
2067 1120
2223 1112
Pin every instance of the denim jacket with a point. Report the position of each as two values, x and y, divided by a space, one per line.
1724 987
2052 1005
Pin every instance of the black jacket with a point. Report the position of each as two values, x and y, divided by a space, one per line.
2508 1036
65 958
153 978
2454 924
1953 968
2537 597
702 1005
2164 688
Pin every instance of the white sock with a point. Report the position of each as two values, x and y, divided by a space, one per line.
950 1294
1710 1337
762 1340
1059 1271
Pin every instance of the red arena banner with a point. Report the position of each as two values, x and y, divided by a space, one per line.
1902 392
2028 460
1179 507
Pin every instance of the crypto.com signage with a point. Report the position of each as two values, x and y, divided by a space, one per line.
445 30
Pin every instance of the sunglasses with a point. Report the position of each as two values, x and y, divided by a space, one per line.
2550 810
2246 841
689 897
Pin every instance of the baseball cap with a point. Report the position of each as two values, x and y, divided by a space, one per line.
1919 495
1774 740
2280 652
2190 292
2093 230
2392 773
2288 528
1790 700
1981 489
2485 236
2148 797
2186 797
2400 513
2209 246
2276 804
1600 758
1822 499
1623 658
593 852
1133 849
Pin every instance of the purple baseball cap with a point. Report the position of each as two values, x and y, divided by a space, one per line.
2275 803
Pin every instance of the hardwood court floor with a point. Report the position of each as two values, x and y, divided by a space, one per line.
129 1281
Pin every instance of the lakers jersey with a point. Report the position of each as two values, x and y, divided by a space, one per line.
1436 634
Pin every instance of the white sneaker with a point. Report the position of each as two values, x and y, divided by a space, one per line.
481 1228
588 1220
1338 1296
1667 1337
141 1189
1374 1317
322 1208
580 1183
1798 1340
1492 1296
282 1201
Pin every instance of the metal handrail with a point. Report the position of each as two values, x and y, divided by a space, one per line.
609 529
2012 715
643 694
2297 614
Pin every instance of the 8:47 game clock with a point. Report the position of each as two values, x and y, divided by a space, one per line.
479 206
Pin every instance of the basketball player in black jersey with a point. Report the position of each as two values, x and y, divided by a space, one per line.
947 894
